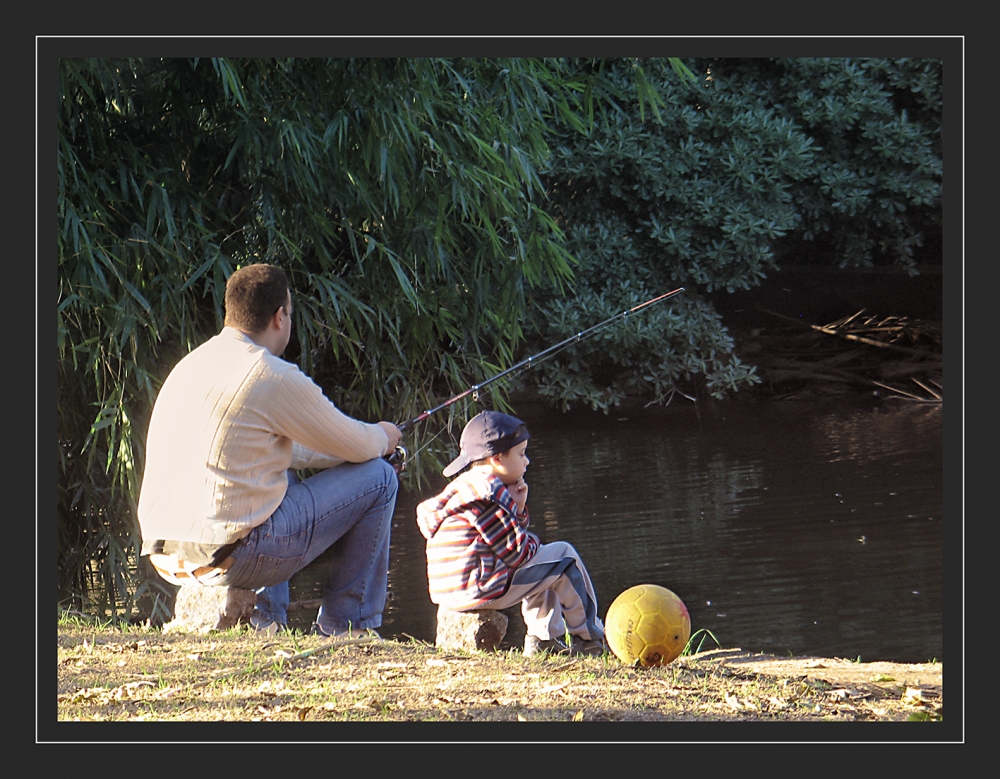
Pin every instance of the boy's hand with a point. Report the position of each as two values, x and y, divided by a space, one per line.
519 491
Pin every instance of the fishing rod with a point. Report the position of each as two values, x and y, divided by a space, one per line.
535 359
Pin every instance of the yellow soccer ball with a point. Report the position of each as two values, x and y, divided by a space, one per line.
647 625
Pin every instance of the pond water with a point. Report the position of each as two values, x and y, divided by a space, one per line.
785 527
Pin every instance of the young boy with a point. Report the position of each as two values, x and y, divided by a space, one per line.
480 554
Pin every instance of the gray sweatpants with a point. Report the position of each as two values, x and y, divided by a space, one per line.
556 594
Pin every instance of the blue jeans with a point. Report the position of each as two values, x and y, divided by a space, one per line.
348 508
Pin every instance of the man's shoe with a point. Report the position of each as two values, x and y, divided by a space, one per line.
350 633
265 626
534 645
581 646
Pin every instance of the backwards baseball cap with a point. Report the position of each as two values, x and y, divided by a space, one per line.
486 434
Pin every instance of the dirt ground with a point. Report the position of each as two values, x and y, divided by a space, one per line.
863 677
114 675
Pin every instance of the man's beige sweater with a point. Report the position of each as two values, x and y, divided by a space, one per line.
229 422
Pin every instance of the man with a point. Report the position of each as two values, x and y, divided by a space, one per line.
220 503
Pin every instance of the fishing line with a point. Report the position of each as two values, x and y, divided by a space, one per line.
537 358
399 456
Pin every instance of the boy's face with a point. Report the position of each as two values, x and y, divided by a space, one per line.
511 465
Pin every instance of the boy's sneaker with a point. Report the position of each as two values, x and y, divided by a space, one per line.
534 645
346 634
581 646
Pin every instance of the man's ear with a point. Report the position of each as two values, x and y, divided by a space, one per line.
276 318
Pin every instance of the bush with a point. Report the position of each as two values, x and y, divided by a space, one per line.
729 175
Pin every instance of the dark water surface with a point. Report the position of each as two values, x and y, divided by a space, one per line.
806 528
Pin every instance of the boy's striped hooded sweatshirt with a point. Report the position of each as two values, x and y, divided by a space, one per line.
475 539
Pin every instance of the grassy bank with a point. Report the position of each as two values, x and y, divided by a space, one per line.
131 674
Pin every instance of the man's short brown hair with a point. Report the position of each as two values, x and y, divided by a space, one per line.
253 294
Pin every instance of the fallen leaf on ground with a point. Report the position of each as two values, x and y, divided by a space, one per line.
843 692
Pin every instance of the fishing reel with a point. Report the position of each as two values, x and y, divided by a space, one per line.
397 460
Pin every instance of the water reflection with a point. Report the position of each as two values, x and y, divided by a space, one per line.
784 527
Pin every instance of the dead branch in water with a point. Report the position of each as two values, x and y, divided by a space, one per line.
834 329
806 357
